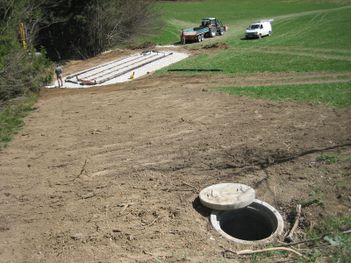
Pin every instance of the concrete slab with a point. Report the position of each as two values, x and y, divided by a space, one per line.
122 70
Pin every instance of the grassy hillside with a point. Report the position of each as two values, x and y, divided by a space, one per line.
234 13
264 60
315 29
305 41
308 36
335 94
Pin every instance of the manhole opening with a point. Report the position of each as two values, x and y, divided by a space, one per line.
252 223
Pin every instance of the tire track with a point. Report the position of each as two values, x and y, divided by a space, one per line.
319 11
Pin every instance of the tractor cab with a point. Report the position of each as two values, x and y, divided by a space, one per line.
215 26
211 22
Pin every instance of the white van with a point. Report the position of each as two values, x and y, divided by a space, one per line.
259 29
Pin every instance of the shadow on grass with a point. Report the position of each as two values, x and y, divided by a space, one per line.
250 38
253 38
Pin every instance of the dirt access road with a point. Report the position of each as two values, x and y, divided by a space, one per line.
112 174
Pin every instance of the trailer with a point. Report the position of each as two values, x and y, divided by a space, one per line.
209 27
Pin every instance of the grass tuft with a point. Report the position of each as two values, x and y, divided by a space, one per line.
336 243
11 117
329 158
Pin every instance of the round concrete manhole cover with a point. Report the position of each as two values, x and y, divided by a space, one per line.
227 196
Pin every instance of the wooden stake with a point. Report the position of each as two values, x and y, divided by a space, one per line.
296 224
249 251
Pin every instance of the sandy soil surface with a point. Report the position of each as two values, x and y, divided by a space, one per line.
112 174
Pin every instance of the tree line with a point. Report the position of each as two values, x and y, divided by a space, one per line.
62 29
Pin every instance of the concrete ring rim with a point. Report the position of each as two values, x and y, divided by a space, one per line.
215 222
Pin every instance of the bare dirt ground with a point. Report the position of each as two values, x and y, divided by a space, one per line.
112 174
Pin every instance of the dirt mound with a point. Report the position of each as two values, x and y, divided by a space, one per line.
221 45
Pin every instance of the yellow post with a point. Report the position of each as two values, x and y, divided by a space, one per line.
23 35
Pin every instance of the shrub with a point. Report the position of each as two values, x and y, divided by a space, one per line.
23 71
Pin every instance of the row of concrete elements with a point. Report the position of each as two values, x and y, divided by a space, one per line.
116 68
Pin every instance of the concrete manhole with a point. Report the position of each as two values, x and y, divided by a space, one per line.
239 217
259 222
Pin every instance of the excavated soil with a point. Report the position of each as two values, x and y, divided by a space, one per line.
112 174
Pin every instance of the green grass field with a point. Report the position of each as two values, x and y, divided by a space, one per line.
234 13
308 36
257 60
334 94
302 42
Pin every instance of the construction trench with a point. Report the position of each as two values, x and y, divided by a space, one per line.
122 69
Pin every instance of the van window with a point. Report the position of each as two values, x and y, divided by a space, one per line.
254 26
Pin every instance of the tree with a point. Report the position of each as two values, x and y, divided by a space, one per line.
20 70
64 28
92 26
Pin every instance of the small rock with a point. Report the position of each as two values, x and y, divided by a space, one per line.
77 236
88 195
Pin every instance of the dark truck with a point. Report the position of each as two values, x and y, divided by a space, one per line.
210 27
